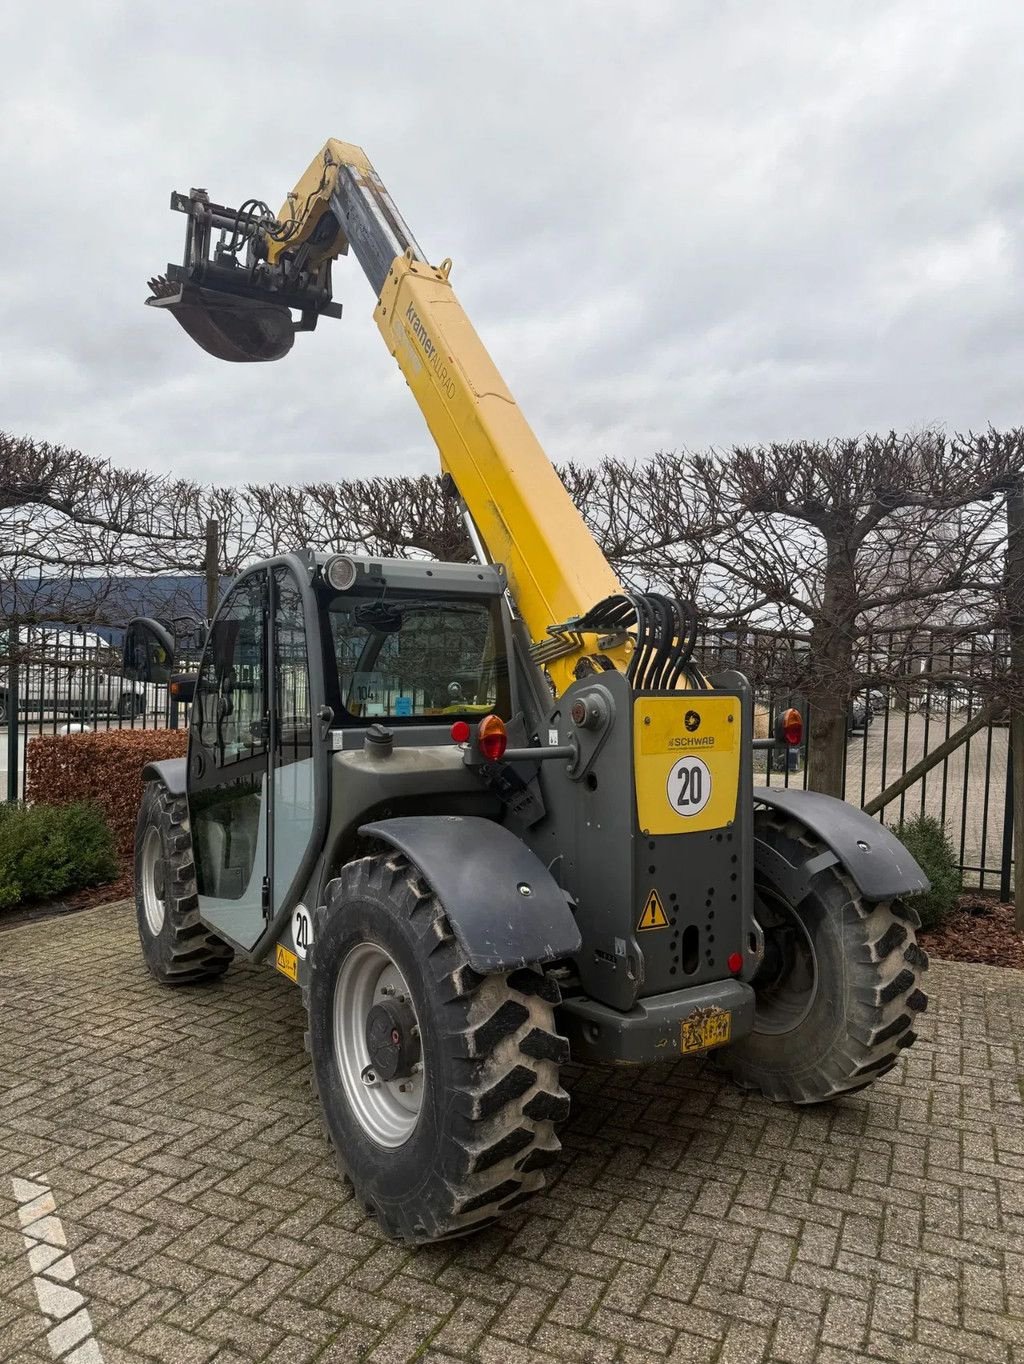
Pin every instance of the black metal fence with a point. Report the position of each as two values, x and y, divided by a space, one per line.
918 690
59 680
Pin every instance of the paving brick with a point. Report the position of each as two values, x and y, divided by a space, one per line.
686 1222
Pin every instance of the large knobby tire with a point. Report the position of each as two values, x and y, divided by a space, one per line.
484 1105
816 1039
176 945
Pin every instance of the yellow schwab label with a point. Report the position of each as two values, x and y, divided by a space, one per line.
687 761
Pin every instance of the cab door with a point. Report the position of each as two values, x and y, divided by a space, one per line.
229 763
258 753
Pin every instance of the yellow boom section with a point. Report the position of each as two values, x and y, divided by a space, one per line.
526 519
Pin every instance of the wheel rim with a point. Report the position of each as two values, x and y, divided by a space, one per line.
152 880
786 984
387 1109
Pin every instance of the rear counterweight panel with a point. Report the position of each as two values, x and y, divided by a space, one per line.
659 863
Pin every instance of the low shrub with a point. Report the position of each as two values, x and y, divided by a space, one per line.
926 841
104 767
47 850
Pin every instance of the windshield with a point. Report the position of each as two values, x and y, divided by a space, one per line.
402 656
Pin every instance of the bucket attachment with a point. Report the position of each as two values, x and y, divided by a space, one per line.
226 294
227 327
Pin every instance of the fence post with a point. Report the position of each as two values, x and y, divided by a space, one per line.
1006 859
1014 585
13 710
212 563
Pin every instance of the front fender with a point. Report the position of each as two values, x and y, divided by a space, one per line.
869 852
504 906
170 772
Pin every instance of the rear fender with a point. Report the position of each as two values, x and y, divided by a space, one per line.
505 908
870 854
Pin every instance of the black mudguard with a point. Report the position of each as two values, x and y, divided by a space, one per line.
868 852
169 771
504 906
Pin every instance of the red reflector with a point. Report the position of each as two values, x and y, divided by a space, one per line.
491 737
792 727
735 963
460 732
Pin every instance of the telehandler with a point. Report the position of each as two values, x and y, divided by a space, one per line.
487 816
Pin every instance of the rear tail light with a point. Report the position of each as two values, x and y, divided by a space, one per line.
491 738
791 727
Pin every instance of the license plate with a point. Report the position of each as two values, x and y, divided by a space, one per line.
703 1029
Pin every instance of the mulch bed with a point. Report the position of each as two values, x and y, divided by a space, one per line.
35 910
979 930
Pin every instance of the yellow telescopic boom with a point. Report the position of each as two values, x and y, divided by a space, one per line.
518 504
520 515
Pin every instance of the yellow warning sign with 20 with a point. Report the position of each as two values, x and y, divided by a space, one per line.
653 915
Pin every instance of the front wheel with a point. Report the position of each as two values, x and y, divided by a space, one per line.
439 1086
838 990
178 948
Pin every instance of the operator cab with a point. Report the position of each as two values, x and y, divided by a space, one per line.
304 653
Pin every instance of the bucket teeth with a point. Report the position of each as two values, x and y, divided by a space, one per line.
161 287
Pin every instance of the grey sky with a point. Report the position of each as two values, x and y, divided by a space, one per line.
674 224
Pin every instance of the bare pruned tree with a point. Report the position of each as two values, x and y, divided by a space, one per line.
816 546
829 543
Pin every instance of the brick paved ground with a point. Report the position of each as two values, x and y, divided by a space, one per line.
685 1222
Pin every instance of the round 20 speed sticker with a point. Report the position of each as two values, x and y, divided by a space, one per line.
689 785
302 930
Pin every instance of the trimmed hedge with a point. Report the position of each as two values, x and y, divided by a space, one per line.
927 842
104 767
47 850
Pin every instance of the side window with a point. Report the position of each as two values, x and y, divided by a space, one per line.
229 712
294 722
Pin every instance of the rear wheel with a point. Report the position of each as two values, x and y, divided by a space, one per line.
177 947
839 987
439 1086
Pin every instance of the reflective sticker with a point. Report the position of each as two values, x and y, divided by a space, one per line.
654 915
302 930
689 785
287 963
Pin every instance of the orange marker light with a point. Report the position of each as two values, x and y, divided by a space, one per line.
492 738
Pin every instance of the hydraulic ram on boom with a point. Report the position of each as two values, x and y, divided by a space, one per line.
234 297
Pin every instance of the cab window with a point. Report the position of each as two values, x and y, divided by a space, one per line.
406 657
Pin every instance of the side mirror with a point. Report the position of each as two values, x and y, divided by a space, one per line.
148 653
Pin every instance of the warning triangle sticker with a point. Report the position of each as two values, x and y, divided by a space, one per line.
654 915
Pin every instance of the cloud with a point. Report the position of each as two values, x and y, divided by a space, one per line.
673 224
